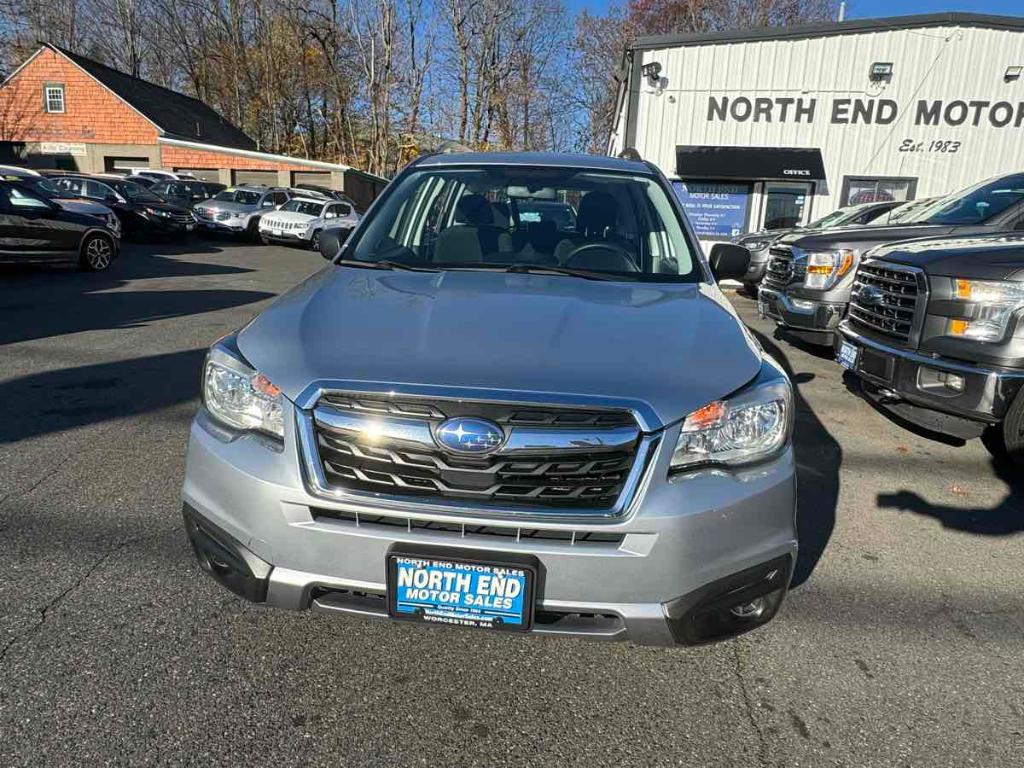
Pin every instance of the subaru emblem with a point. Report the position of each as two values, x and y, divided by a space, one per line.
469 435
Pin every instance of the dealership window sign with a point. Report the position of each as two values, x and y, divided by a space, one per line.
715 209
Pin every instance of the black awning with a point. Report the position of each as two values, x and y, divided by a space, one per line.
750 163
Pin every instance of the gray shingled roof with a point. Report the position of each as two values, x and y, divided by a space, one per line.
177 115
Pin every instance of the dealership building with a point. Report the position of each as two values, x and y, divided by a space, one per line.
62 110
772 127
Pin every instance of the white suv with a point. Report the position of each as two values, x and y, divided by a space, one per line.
302 219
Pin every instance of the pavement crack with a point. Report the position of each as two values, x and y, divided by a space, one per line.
749 705
55 601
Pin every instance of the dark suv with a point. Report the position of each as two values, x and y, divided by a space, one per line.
143 214
34 228
809 277
936 332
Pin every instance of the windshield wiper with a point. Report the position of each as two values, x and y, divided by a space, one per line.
383 264
586 274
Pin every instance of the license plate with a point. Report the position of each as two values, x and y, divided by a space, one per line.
189 227
275 232
762 309
464 590
847 356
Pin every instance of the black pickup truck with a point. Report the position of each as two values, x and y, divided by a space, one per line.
935 331
809 276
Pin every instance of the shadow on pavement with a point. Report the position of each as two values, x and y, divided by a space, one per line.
1004 519
73 397
38 302
818 457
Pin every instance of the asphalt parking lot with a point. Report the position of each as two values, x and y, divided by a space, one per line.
900 645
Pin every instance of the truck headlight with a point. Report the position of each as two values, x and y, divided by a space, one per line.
751 426
756 245
157 212
826 268
237 395
994 301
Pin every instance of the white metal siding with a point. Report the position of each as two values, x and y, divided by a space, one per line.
947 63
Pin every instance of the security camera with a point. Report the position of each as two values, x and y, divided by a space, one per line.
652 72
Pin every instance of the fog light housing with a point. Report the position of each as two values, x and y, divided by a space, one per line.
730 606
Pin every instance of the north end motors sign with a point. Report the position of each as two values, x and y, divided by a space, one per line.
860 111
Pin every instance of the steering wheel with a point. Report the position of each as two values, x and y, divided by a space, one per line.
614 258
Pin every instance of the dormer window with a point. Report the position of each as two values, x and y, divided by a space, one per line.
53 97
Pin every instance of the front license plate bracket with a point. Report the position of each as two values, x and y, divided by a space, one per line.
471 589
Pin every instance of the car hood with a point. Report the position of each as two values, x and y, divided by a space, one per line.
288 217
78 205
670 347
995 257
225 205
860 237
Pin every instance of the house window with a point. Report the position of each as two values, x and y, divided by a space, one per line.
54 98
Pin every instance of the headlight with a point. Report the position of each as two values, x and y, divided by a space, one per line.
237 395
826 268
994 303
156 212
756 245
750 426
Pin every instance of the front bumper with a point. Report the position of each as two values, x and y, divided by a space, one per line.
917 387
680 543
813 321
295 237
228 225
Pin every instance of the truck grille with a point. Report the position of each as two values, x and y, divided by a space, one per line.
886 299
784 267
552 457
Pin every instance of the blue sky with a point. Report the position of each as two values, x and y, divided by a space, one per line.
862 8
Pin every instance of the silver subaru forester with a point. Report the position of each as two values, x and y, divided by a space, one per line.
516 400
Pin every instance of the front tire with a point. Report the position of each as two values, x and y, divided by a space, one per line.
314 241
97 253
1006 440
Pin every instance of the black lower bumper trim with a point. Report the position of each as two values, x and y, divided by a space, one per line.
710 613
223 557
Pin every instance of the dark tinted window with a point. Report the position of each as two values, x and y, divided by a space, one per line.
979 203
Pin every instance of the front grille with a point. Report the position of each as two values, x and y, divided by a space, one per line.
784 267
553 457
886 299
181 218
464 530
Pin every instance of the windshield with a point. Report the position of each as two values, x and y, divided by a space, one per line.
974 205
133 191
833 219
612 224
308 207
242 196
42 187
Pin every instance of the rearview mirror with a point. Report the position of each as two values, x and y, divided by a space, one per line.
729 261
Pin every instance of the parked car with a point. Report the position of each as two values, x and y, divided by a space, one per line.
809 277
442 430
334 194
936 333
237 210
185 193
143 214
158 174
45 187
758 243
34 228
904 212
301 220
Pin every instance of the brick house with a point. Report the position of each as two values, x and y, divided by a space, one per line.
62 110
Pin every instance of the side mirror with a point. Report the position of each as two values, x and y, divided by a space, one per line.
729 261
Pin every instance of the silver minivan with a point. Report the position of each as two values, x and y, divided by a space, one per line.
488 413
